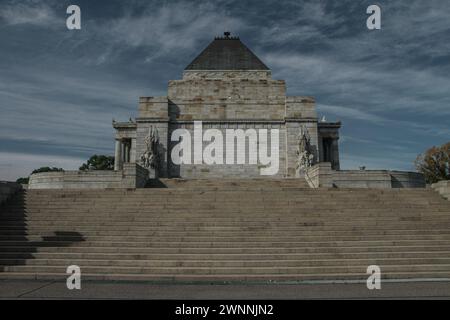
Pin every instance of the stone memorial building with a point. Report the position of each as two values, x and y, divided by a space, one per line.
226 87
156 218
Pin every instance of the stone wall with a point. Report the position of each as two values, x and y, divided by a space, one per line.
226 100
300 107
7 189
405 179
153 107
321 175
362 179
132 176
203 171
211 99
443 187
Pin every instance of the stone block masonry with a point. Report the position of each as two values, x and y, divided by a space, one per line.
225 87
443 187
241 170
322 175
131 176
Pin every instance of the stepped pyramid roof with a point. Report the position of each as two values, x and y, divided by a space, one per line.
227 53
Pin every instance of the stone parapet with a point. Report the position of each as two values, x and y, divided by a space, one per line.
299 107
132 176
362 179
226 74
321 175
153 107
443 187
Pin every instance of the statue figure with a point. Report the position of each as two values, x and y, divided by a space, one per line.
304 153
149 157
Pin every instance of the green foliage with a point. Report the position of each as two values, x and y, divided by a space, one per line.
47 169
434 163
24 180
99 162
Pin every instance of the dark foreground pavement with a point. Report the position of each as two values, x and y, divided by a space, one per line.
32 289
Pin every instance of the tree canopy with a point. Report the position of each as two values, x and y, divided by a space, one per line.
24 180
434 163
99 162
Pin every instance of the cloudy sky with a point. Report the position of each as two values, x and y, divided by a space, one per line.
60 89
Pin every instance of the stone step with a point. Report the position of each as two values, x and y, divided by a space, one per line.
242 215
271 228
280 198
141 193
208 243
225 278
75 248
301 227
70 236
228 230
425 268
189 263
250 234
224 256
297 218
283 197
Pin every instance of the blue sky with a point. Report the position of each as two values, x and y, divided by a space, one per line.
60 89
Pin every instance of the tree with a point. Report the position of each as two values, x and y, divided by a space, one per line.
434 163
24 180
47 169
99 162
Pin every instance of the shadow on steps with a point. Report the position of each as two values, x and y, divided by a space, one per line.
21 249
155 183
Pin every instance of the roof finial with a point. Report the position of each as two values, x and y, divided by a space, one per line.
227 34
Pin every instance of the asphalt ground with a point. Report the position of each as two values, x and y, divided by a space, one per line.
34 289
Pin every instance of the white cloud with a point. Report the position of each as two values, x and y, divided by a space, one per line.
173 26
28 12
15 165
350 113
377 88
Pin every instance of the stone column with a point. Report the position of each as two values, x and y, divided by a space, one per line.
126 153
133 151
335 154
320 147
122 153
117 155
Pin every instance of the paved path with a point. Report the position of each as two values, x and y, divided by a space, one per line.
32 289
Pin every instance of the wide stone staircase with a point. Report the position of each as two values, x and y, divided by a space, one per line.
260 230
